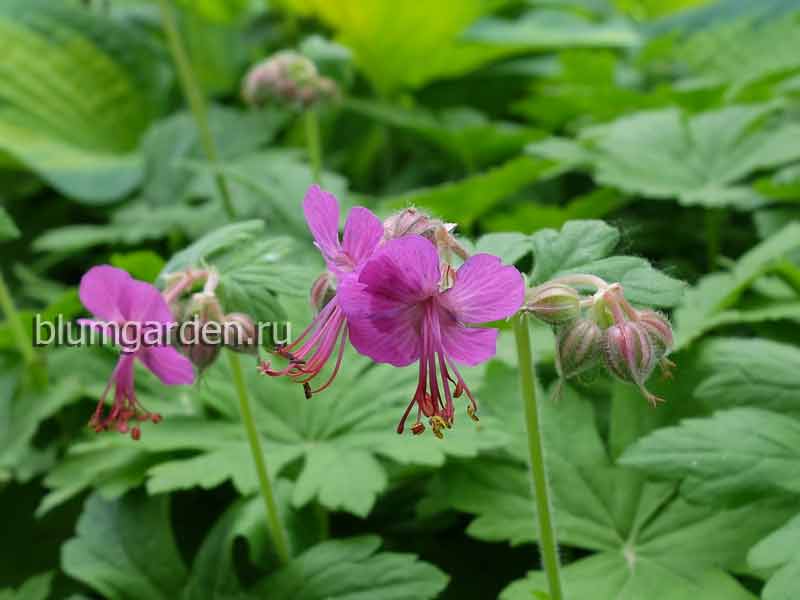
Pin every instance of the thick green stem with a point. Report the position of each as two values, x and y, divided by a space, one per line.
548 547
267 494
15 324
314 144
197 103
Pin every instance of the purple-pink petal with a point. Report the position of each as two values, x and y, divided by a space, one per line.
145 303
322 215
103 291
386 340
362 234
467 345
169 365
404 269
485 290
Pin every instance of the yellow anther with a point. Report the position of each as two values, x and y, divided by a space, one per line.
471 413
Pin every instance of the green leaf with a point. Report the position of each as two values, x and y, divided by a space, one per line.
465 133
125 549
750 372
779 551
8 230
392 59
633 525
466 200
699 159
342 437
213 10
551 29
35 588
510 247
84 146
585 246
609 577
143 264
741 52
352 569
734 455
710 302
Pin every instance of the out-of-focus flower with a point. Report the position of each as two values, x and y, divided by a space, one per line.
287 77
400 313
136 316
328 332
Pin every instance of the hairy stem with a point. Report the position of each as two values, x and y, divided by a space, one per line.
197 103
548 546
313 143
267 494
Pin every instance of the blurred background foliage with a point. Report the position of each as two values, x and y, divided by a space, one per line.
524 121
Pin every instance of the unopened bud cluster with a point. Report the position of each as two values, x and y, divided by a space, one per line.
287 78
602 329
206 327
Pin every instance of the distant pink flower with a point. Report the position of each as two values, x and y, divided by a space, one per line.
401 309
130 310
363 231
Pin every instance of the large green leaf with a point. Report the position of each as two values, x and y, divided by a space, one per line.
712 301
378 35
552 29
352 569
464 201
733 455
82 144
633 525
741 52
585 247
751 372
698 160
465 133
779 551
35 588
126 549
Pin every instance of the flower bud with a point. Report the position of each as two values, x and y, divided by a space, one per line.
553 303
322 291
578 347
287 77
194 347
239 333
630 355
411 221
200 334
659 330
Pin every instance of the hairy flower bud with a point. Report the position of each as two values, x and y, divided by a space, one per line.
239 333
411 221
287 77
578 347
553 303
630 355
200 333
322 291
659 330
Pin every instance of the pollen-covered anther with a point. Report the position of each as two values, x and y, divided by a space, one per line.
438 424
136 433
471 413
418 428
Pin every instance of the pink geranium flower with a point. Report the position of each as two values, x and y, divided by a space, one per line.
363 231
403 308
137 317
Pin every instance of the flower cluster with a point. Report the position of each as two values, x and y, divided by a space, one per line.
392 290
287 77
602 329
